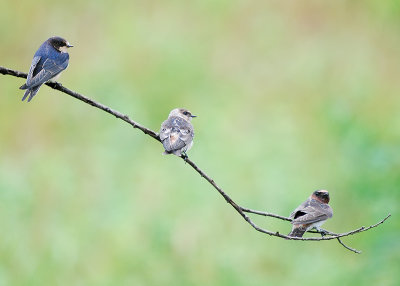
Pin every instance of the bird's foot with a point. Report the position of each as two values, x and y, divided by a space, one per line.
323 232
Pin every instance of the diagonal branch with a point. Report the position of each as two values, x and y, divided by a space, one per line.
348 247
242 211
265 214
60 87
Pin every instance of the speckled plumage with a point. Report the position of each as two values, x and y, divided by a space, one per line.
177 132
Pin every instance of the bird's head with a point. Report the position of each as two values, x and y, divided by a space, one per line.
321 195
60 44
183 113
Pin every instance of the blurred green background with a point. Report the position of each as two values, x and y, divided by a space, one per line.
290 97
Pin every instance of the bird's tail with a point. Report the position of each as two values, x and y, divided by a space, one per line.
31 91
27 92
297 231
24 86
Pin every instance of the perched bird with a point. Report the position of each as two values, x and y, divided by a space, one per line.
177 133
312 213
48 62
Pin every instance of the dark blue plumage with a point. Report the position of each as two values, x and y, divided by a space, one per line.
49 61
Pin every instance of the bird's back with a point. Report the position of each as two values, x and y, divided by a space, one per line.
176 133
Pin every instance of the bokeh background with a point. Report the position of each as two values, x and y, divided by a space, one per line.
290 97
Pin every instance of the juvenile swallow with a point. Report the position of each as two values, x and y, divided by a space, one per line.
48 62
177 133
312 213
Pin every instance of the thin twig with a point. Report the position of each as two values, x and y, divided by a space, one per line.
265 214
326 232
239 209
348 247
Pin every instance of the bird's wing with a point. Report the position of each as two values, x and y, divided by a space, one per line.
312 214
186 133
295 213
49 70
33 67
175 133
171 139
182 134
165 130
176 139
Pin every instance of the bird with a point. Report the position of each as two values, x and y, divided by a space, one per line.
48 62
176 133
311 214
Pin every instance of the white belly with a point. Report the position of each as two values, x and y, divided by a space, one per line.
317 225
55 78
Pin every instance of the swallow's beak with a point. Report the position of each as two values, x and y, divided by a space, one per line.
193 115
69 45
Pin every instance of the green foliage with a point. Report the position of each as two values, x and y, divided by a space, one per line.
290 97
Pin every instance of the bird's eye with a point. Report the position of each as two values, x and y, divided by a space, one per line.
185 113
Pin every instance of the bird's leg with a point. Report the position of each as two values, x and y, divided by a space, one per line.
184 156
327 232
323 232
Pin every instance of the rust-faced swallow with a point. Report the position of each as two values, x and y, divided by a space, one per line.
311 214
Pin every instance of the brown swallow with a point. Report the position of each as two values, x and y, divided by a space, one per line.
311 214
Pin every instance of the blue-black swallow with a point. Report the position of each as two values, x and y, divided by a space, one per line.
48 62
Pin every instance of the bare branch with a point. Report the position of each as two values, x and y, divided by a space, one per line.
242 211
348 247
60 87
326 232
266 214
